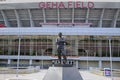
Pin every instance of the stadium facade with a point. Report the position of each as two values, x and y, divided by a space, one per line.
92 30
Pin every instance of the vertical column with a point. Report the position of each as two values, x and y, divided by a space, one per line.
54 46
87 15
73 15
9 61
31 47
101 18
42 51
115 18
5 19
58 11
76 46
10 46
100 48
100 64
44 16
111 63
30 62
18 18
31 20
76 64
119 48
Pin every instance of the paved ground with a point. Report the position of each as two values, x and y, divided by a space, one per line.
39 76
89 76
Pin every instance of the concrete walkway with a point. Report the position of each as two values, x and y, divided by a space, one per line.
90 76
86 75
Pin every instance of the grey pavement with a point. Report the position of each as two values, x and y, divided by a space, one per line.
86 75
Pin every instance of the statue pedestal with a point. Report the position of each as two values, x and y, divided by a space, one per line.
63 65
62 72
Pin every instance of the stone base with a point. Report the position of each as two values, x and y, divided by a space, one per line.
62 72
63 65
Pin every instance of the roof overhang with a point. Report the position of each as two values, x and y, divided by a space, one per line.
63 4
65 31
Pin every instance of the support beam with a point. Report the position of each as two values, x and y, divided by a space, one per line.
111 64
58 13
5 19
44 16
100 48
10 44
101 18
87 15
115 18
76 44
54 46
31 19
18 18
31 46
66 31
76 64
73 9
9 61
100 64
30 62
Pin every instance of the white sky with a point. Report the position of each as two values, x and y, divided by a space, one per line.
23 1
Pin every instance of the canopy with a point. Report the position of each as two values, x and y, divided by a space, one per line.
56 30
